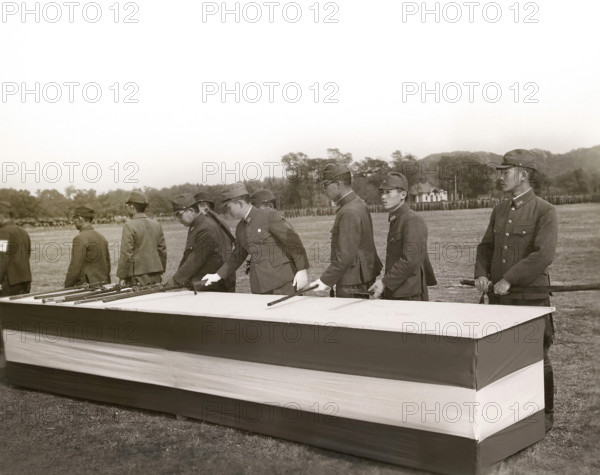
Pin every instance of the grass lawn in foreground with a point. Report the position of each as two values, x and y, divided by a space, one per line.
44 433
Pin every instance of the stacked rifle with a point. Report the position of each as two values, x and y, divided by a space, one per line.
100 292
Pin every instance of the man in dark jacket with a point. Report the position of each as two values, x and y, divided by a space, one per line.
143 257
15 249
278 258
517 248
354 261
90 259
205 249
408 271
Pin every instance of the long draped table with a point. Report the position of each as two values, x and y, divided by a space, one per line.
445 387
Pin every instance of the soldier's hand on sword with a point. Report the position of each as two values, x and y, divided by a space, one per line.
501 287
482 283
322 287
209 279
377 289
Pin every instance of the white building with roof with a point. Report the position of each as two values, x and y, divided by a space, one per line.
427 193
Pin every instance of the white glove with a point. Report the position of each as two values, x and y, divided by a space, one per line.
209 279
322 286
377 289
300 279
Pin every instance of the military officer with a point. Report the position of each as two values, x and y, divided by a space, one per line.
517 248
15 249
278 258
408 271
90 259
205 249
143 257
354 261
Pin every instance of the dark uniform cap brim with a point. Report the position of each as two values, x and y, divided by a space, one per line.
518 158
203 196
137 197
183 201
84 212
236 190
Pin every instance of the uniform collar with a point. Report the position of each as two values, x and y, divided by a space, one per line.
139 215
523 198
347 198
197 220
400 210
10 221
251 213
86 227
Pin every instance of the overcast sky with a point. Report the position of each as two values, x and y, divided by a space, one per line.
344 74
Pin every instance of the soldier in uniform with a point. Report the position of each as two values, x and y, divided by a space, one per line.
15 249
278 258
517 248
205 249
143 257
354 261
90 259
408 271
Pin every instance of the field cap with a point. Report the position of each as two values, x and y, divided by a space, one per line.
137 197
234 191
5 207
518 158
84 212
262 196
393 181
332 171
183 201
203 196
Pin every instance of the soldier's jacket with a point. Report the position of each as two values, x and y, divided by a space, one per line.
408 271
90 258
275 249
143 248
206 250
354 258
519 244
15 249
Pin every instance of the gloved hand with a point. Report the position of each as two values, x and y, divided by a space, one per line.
209 279
300 279
322 286
377 289
482 283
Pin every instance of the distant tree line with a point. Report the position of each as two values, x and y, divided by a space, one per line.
463 176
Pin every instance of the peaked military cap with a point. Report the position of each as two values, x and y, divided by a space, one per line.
84 212
393 181
262 196
137 197
183 201
332 171
234 191
204 196
518 158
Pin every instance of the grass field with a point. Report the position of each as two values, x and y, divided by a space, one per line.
43 433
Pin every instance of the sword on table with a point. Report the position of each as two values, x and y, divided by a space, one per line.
295 294
536 289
